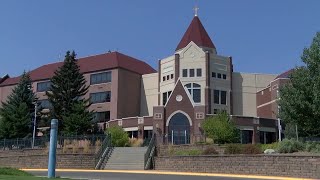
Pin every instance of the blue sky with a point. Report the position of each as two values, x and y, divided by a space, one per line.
261 36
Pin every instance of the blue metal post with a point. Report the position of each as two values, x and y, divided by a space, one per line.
53 148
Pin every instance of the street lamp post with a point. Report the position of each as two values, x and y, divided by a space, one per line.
34 124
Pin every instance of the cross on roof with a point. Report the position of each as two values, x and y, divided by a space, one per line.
196 9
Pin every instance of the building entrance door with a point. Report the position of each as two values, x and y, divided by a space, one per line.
179 129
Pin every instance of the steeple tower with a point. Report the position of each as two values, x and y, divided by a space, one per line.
196 33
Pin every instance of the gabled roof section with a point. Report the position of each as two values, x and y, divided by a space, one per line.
285 74
179 89
90 64
196 33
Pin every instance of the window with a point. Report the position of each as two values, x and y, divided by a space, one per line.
214 74
199 73
220 97
101 116
199 115
195 91
100 78
219 75
163 78
158 115
171 76
185 73
168 77
224 76
100 97
223 97
44 104
191 72
165 97
43 86
215 111
216 95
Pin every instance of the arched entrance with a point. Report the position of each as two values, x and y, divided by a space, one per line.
179 129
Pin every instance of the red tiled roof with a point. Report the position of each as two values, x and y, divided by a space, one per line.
90 64
197 34
285 74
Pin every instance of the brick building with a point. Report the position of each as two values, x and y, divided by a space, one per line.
193 83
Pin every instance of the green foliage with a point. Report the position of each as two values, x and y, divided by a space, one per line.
251 149
119 137
290 146
313 147
191 152
76 121
221 129
13 171
66 96
300 99
273 146
233 149
16 112
210 151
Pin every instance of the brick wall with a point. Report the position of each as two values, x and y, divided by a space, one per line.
271 165
164 150
39 159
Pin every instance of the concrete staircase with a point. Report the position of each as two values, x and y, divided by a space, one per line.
126 158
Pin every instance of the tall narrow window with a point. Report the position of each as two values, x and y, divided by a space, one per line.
165 97
199 73
195 91
214 74
219 75
185 73
224 76
216 97
191 72
223 97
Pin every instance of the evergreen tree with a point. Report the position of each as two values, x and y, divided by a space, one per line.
67 95
300 99
17 112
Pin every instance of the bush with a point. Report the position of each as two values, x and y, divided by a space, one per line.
13 172
290 146
119 138
210 151
233 149
273 146
192 152
313 147
135 142
251 149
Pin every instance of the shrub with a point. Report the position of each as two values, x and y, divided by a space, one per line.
209 151
86 146
233 149
290 146
251 149
13 172
75 146
135 142
119 138
313 147
273 146
192 152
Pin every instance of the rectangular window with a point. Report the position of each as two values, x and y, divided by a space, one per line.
191 72
100 78
101 116
100 97
185 73
163 78
214 74
165 97
219 75
44 104
171 76
199 72
223 97
216 96
224 76
43 86
168 77
196 95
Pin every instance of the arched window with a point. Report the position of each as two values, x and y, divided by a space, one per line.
195 91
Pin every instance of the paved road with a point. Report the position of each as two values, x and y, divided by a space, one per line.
130 176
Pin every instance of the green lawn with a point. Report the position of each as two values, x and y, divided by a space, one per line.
15 174
7 177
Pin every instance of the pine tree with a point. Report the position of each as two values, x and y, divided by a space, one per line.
300 99
67 95
16 113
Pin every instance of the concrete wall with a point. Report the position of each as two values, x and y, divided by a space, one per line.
244 89
149 94
269 165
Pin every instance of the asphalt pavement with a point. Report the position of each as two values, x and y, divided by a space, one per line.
134 176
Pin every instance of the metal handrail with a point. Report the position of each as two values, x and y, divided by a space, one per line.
104 151
149 155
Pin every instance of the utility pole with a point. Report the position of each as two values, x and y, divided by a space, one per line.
34 123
